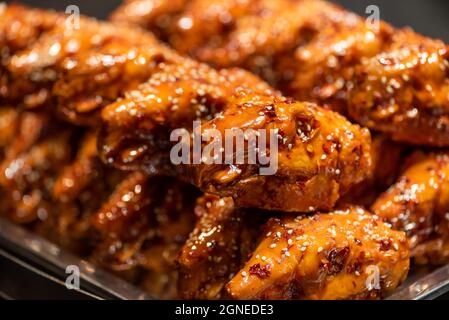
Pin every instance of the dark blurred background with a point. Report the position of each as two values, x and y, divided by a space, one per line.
429 17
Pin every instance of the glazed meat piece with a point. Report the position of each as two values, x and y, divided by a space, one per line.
319 156
125 59
27 178
219 244
347 254
259 35
393 81
406 94
79 189
154 15
80 173
130 216
418 204
127 200
137 127
387 157
19 132
9 120
20 26
253 34
142 226
83 68
26 151
23 131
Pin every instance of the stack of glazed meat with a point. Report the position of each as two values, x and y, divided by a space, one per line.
88 108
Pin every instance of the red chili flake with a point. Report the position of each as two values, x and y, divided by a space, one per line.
328 147
261 272
336 259
385 244
270 111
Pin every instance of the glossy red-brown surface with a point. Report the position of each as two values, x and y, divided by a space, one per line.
219 244
320 154
56 80
387 160
337 255
390 80
418 204
20 26
78 68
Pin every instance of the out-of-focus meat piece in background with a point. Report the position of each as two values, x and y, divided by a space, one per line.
27 130
80 173
80 68
79 189
9 120
154 15
27 178
20 132
392 80
220 243
320 154
418 203
20 26
325 256
142 226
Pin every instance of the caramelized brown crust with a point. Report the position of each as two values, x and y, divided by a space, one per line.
20 26
219 244
387 157
418 204
138 127
132 222
26 178
9 121
143 225
82 69
320 154
80 173
79 68
390 80
341 255
404 90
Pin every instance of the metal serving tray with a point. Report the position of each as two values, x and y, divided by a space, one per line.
33 268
